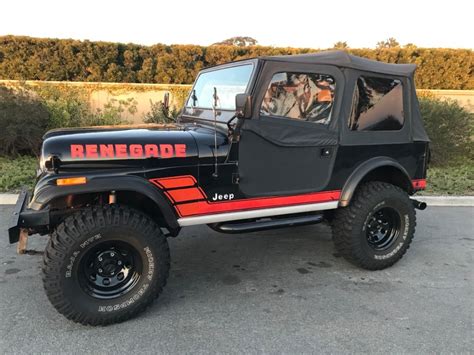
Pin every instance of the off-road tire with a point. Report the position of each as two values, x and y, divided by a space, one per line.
350 225
85 232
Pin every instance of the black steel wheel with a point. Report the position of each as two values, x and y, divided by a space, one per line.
376 229
110 269
105 264
383 228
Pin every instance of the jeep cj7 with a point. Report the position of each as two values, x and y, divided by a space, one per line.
262 143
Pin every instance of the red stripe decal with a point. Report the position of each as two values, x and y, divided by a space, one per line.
205 207
419 184
188 194
174 182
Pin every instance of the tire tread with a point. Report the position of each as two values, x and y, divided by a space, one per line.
346 219
69 232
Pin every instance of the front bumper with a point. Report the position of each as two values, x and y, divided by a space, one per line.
24 218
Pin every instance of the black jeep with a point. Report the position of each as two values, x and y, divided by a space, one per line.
261 143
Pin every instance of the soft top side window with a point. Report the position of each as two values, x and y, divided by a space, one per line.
303 96
377 105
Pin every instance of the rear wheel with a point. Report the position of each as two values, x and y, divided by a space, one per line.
376 229
105 264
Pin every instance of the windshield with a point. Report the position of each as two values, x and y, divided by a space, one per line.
228 83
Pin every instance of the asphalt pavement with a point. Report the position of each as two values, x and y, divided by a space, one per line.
283 291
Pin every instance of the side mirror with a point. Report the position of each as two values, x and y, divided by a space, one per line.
243 105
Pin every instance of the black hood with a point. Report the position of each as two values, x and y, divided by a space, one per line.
119 146
134 147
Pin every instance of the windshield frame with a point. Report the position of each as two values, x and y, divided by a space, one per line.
201 110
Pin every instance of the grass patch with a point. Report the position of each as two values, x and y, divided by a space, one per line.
449 180
16 173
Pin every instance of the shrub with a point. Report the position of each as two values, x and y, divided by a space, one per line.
27 112
449 127
68 107
156 114
23 121
111 114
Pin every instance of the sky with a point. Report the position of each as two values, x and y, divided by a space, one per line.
280 23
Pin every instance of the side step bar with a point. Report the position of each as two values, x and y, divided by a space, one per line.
260 225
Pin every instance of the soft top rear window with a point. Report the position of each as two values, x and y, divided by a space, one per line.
377 105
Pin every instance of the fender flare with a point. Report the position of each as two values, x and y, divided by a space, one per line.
362 170
49 192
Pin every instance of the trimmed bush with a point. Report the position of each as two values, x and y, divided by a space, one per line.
27 58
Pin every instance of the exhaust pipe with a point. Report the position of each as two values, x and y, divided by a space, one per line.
419 205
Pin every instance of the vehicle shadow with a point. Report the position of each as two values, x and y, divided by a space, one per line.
205 262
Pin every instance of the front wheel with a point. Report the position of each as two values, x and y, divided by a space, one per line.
376 229
105 264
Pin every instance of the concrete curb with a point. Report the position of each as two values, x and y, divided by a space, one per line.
8 199
459 201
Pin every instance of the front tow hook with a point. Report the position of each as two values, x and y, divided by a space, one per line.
419 205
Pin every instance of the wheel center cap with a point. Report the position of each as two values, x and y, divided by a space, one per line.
109 263
109 268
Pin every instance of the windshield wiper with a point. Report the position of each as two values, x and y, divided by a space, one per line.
194 98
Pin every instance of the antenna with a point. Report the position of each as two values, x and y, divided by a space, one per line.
214 109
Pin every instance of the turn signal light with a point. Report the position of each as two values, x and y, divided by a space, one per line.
71 181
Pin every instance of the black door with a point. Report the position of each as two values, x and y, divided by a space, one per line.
289 145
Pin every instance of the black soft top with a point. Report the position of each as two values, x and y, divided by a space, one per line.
345 60
292 136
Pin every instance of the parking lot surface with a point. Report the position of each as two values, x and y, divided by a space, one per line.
283 291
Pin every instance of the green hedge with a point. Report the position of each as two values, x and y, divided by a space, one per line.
27 58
